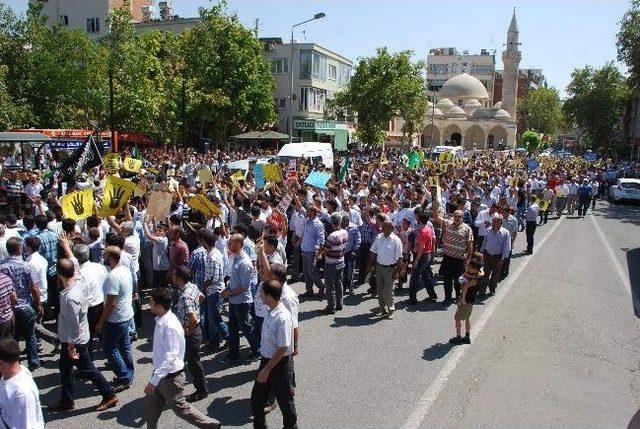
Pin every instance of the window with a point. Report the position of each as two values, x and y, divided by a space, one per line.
283 103
481 69
438 68
63 20
93 25
280 66
319 66
345 74
305 64
333 72
312 99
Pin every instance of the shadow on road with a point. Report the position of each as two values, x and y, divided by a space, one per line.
625 213
436 351
230 412
130 415
364 319
633 265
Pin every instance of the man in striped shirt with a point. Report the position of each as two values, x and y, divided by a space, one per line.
334 247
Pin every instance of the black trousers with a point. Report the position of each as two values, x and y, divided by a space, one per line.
280 380
451 269
85 364
530 231
363 255
192 359
93 316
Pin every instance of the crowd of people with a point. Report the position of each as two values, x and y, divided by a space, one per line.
82 285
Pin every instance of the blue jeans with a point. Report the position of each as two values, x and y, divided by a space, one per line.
26 327
84 364
117 347
215 324
422 277
347 274
520 215
239 321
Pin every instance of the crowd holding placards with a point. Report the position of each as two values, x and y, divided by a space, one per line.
213 253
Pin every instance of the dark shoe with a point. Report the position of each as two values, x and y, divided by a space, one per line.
228 361
338 308
107 403
33 367
492 293
430 299
270 408
196 396
447 302
61 407
307 295
465 340
328 311
456 341
121 386
254 356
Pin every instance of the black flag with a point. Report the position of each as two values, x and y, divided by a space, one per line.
85 158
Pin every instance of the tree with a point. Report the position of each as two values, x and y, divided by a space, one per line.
228 81
383 86
530 140
541 110
596 103
628 42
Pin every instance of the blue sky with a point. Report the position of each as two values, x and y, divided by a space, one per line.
557 35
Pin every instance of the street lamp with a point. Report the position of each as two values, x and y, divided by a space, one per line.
316 16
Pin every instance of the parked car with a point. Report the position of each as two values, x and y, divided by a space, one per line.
625 190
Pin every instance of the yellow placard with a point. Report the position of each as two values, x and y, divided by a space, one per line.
238 175
205 176
434 181
202 204
112 162
78 205
133 165
153 171
116 193
272 173
445 157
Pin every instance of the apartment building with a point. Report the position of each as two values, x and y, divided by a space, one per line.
445 63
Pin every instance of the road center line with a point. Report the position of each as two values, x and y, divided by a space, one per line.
430 395
624 277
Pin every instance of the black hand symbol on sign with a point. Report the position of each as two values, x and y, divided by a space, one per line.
116 195
77 204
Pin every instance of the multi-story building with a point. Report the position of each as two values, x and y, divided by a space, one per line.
92 15
318 74
445 63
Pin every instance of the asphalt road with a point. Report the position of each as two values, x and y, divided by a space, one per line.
558 346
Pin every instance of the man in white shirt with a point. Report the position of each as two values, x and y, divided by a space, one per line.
167 380
19 399
386 250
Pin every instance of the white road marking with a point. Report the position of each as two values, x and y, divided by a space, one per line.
430 395
624 277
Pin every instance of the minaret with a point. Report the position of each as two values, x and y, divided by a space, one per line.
511 61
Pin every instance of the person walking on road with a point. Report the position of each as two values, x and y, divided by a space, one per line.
73 332
496 248
334 264
276 365
19 399
386 251
166 385
311 247
469 282
584 197
421 275
188 313
531 217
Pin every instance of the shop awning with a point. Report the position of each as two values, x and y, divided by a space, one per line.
262 135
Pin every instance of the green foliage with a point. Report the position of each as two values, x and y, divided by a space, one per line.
530 140
383 86
596 103
541 110
628 42
55 77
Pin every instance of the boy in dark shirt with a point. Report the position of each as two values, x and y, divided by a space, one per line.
468 283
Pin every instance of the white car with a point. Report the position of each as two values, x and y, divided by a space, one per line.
625 189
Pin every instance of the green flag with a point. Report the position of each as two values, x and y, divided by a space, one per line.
135 153
346 163
413 161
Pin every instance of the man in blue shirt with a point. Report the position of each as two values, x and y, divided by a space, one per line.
496 247
584 197
238 291
312 243
350 253
49 249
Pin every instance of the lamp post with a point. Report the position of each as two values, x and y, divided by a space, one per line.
316 16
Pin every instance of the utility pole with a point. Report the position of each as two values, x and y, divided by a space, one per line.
256 24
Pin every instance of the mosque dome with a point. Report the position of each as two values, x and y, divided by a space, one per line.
463 86
502 115
456 112
444 105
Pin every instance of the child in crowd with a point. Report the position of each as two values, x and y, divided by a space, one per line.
468 285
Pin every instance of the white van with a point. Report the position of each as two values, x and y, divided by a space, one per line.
307 150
